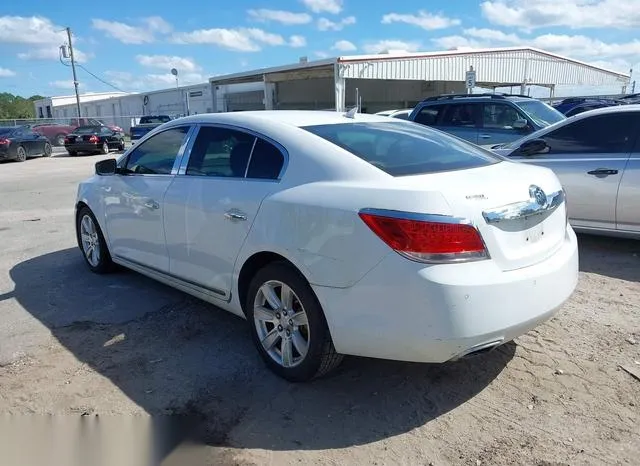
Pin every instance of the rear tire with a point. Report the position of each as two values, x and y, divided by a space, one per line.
92 243
291 334
59 139
121 147
104 149
21 154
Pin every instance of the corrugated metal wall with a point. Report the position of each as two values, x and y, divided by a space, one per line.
495 67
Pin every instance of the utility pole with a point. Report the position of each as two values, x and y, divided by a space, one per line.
73 67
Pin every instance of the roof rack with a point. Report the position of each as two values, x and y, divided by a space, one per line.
500 96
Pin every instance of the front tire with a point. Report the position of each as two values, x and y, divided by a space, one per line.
288 325
59 139
92 243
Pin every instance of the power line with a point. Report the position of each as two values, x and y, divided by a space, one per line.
100 79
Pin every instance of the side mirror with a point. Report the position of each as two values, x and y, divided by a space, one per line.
520 124
533 147
106 167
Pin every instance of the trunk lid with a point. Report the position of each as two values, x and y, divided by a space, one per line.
500 200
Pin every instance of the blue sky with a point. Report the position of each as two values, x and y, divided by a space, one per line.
134 45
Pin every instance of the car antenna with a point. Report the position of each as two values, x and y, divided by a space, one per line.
351 113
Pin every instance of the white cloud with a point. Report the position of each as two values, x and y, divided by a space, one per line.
157 24
423 19
574 14
297 41
279 16
167 62
52 53
30 30
321 54
123 32
6 73
344 46
320 6
128 34
240 40
129 81
325 24
392 45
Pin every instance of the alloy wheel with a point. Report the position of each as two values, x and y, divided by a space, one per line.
90 240
281 323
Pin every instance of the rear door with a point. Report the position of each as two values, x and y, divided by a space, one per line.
498 121
628 207
589 156
212 202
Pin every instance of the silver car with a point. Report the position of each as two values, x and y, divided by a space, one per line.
596 155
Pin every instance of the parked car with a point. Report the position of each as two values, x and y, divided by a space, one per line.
54 132
77 122
95 139
146 124
336 234
20 142
485 118
403 114
596 155
574 105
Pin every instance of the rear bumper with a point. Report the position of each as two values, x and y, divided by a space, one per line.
6 153
407 311
83 147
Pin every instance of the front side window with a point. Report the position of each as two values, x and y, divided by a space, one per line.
460 115
609 133
401 149
156 155
428 115
500 116
220 152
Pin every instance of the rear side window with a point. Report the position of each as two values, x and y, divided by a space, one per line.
464 115
428 115
266 161
401 149
220 152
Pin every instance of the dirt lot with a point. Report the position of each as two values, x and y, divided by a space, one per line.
75 343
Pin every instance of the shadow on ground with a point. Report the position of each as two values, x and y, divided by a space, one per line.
173 355
611 257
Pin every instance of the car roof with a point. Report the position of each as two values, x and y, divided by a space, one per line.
296 118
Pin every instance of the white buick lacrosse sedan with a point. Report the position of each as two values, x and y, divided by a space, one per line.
336 234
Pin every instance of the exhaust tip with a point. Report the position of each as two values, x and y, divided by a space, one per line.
478 350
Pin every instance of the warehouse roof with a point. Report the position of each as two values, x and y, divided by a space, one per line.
505 66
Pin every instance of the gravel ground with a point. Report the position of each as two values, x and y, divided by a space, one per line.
79 344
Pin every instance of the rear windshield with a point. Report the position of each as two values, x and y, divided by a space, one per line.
86 130
154 119
5 131
404 148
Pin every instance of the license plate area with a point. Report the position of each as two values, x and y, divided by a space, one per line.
533 231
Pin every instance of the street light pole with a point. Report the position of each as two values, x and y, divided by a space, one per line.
73 67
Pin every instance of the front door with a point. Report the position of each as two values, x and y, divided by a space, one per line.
589 157
212 203
498 124
628 208
134 206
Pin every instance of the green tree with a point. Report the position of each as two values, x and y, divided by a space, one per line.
14 106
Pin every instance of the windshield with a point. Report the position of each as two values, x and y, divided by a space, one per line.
154 119
400 148
541 113
87 130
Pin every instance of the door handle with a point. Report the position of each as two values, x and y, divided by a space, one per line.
152 205
485 136
234 215
603 172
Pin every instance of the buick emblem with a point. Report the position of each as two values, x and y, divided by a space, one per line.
538 195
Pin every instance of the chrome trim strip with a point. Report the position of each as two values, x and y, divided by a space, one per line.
172 280
253 146
524 209
438 218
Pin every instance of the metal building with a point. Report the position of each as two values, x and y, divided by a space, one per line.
400 80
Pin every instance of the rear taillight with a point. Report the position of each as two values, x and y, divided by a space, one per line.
93 139
4 142
426 238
